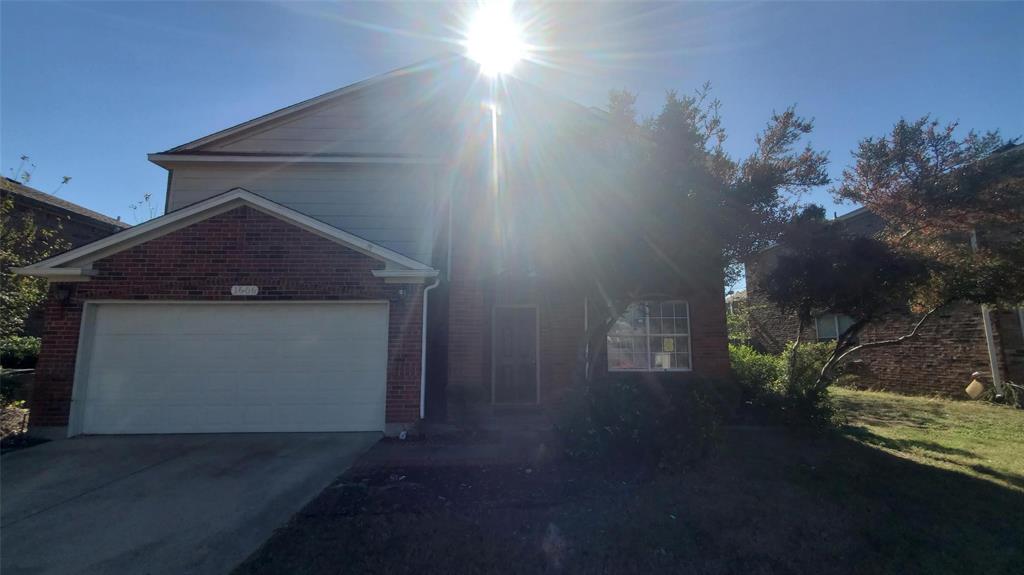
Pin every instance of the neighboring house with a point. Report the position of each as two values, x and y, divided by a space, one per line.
73 224
303 253
949 348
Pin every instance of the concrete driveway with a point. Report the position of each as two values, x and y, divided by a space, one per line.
159 504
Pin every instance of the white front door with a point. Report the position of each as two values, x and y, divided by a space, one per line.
195 367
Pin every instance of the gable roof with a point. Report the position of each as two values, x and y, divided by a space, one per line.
449 62
17 188
77 262
192 147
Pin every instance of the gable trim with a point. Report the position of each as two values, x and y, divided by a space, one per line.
295 108
54 267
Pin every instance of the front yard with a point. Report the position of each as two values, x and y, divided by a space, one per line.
909 486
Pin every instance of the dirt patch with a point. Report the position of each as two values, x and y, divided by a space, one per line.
13 428
13 420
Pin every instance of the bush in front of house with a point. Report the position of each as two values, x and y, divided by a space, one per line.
758 374
639 419
774 395
19 352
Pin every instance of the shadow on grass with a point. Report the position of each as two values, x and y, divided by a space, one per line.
768 502
1015 480
905 445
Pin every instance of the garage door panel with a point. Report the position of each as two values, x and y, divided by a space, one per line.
180 368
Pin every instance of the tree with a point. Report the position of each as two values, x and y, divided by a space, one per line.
688 209
953 230
22 242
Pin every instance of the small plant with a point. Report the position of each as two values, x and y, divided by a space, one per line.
639 419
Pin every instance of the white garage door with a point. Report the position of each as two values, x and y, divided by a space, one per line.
240 367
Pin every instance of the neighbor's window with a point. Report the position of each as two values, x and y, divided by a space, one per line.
830 325
651 336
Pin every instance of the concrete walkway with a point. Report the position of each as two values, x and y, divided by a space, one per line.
181 504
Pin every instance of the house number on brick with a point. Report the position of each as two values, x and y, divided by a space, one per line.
245 290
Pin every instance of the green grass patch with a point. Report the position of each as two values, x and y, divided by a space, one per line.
980 439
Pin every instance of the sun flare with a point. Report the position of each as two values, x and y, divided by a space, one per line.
494 38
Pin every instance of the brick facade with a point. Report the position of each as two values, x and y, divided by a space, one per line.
561 316
201 262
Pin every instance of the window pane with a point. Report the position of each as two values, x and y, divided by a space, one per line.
845 322
681 326
670 352
627 352
658 325
661 360
632 322
650 336
826 326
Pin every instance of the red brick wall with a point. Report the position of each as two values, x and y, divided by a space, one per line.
561 317
202 262
950 346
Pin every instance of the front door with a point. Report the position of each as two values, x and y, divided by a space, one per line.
515 355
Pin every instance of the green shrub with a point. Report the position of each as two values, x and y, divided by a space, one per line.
756 373
639 419
769 389
19 352
805 403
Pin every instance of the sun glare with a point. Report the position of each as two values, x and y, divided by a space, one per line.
494 38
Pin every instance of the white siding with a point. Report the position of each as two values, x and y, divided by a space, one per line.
392 205
391 119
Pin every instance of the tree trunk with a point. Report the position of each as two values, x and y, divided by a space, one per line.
595 339
792 352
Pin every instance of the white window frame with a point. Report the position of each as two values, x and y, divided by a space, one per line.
647 338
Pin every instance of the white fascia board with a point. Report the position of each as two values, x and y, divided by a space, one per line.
395 276
207 208
55 273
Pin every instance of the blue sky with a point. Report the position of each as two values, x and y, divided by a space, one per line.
87 89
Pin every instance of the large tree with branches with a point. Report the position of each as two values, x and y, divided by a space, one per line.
952 210
689 209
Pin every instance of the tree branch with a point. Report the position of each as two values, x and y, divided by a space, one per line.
885 342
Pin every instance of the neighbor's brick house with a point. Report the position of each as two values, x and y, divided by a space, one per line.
73 225
360 261
950 346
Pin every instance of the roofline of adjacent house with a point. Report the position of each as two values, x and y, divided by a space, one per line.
847 216
850 215
38 196
227 200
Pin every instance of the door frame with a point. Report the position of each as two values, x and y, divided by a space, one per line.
494 347
83 351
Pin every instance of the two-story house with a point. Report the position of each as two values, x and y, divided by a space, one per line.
396 249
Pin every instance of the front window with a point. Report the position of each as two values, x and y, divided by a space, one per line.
831 325
651 336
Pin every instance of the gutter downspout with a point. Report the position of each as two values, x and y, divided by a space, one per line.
990 344
423 348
